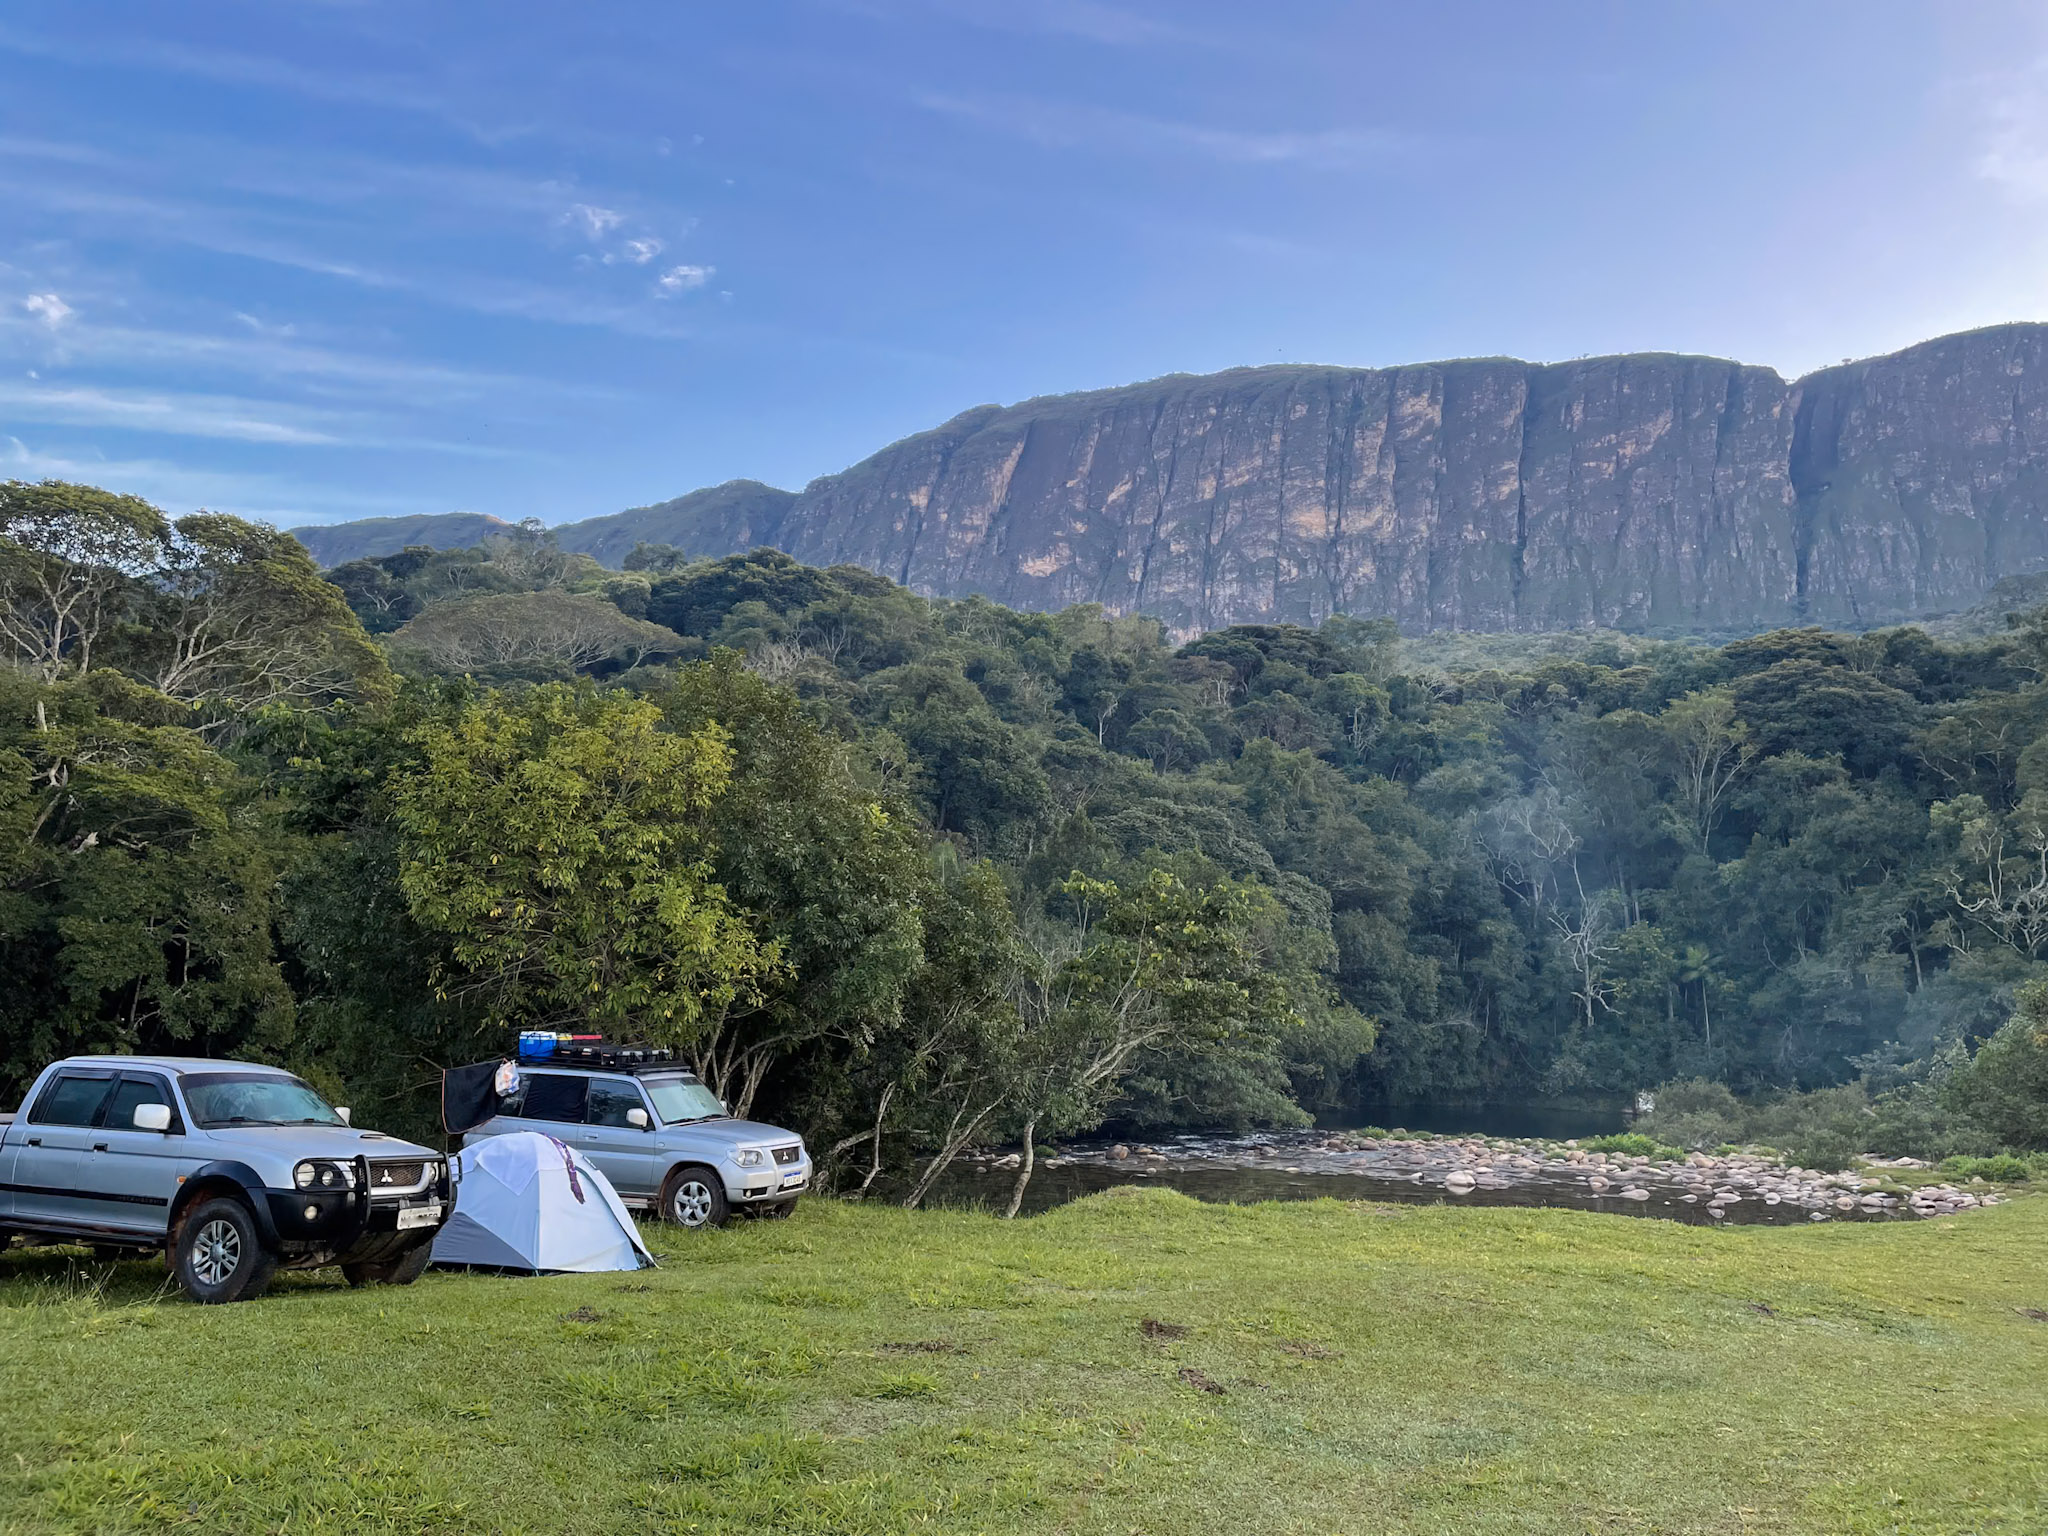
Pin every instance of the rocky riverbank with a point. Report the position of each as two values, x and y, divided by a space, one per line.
1739 1187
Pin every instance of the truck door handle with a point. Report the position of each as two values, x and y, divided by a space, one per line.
35 1141
99 1146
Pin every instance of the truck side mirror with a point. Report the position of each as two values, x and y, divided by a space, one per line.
637 1118
343 1111
152 1117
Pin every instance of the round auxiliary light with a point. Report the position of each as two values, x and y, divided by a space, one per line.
312 1213
328 1178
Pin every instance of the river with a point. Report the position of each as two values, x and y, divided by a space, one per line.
1306 1165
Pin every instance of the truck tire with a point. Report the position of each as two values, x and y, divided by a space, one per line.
403 1270
220 1255
694 1196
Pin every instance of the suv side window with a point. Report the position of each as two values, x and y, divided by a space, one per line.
610 1098
131 1095
554 1096
71 1101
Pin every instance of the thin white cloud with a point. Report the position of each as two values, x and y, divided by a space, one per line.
1073 125
593 221
180 487
48 308
2014 154
682 279
388 92
171 413
216 228
274 356
640 252
1088 20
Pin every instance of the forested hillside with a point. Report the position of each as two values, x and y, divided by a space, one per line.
917 874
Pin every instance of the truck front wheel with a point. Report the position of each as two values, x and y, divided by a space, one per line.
220 1255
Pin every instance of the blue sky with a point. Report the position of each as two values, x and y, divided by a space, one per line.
308 261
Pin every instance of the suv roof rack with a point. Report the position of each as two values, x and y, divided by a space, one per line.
591 1051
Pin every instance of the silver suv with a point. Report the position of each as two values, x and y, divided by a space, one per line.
662 1138
233 1170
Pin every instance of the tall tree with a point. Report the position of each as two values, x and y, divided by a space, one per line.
70 556
559 841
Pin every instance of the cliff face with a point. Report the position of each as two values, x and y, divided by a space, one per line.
1647 491
1922 478
1643 492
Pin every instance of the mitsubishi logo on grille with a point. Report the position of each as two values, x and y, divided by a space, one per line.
387 1177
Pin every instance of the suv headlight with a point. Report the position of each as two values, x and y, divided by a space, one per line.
750 1157
317 1173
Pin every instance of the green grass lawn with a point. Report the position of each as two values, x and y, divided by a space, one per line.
1324 1368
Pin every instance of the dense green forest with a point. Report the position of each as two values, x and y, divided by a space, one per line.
917 875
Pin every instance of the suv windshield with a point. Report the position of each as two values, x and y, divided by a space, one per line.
254 1098
677 1099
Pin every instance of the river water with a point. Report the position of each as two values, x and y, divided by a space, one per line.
1302 1166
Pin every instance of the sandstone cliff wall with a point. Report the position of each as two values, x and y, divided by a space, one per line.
1647 491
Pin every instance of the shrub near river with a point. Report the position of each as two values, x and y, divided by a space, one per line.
1134 1362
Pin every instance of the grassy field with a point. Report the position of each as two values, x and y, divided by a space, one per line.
1133 1363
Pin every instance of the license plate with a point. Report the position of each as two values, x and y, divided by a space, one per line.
792 1178
419 1216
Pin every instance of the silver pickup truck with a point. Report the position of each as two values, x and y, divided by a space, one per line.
662 1139
232 1170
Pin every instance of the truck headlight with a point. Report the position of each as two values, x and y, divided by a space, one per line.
752 1157
326 1175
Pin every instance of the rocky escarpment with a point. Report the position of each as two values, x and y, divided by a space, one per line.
1643 492
1647 492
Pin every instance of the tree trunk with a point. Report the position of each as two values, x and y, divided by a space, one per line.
1023 1169
875 1161
957 1137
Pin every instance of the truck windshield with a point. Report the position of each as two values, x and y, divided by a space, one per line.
677 1099
221 1099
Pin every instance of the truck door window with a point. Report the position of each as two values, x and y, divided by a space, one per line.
131 1095
609 1101
71 1101
553 1096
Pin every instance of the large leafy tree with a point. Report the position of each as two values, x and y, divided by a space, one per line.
2005 1087
533 635
830 875
70 558
559 841
137 869
236 617
1136 973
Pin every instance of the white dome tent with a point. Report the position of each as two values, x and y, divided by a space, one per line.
530 1202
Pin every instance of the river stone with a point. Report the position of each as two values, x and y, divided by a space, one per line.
1459 1182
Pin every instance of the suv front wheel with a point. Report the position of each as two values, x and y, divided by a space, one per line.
220 1255
694 1197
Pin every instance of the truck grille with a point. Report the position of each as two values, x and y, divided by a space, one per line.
788 1155
396 1177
